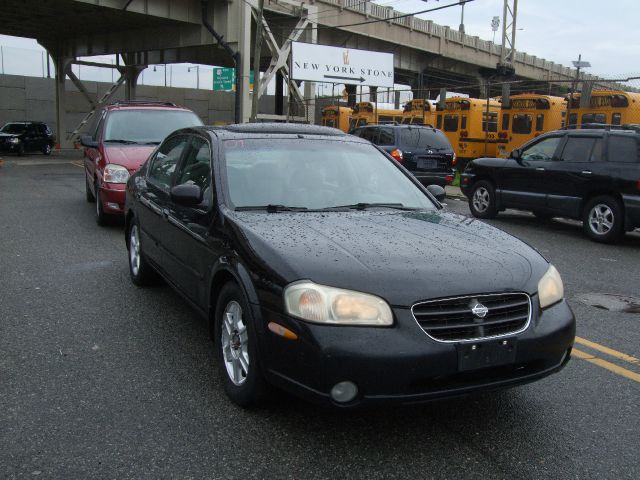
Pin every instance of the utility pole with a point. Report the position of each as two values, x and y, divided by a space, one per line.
574 85
256 62
461 27
508 50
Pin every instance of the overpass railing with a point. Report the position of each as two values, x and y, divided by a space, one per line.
373 10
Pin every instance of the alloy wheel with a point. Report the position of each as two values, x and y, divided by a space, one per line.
134 250
235 343
481 199
601 219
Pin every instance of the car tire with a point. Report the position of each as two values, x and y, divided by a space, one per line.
102 218
142 274
89 194
546 217
235 348
603 219
482 201
47 149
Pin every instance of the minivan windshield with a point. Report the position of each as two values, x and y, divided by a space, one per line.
14 128
424 138
315 174
146 126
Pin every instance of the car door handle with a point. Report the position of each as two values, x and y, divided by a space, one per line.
587 172
540 169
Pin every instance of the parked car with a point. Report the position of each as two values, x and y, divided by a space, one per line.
424 151
25 137
123 136
589 175
325 268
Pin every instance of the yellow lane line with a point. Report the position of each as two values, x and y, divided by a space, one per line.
612 367
608 351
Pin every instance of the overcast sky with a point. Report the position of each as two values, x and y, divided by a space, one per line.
604 32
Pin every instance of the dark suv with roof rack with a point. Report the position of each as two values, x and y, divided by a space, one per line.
590 174
424 151
123 136
24 137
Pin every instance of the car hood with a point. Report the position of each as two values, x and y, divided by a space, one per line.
403 257
129 156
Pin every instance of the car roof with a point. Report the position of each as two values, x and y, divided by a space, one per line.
264 130
399 126
144 105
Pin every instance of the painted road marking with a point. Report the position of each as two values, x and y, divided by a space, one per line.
609 351
77 164
612 367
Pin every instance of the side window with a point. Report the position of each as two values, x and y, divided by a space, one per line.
463 122
616 119
597 154
32 130
196 168
439 122
505 121
96 132
370 134
164 164
622 149
542 150
578 149
573 120
539 122
386 137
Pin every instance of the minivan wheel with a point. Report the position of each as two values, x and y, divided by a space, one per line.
603 220
482 201
236 350
89 194
142 274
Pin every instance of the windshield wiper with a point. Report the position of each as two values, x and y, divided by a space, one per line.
272 208
152 143
118 140
364 206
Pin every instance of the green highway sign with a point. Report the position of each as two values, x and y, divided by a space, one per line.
224 79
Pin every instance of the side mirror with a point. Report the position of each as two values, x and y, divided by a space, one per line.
516 155
88 141
187 194
437 191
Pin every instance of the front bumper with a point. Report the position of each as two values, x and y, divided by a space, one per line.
434 178
401 363
112 196
9 147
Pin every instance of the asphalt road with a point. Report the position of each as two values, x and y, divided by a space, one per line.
99 379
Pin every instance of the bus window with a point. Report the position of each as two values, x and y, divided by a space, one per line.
493 121
353 123
521 123
439 122
505 121
594 118
463 122
450 123
616 119
385 119
407 120
417 121
539 122
573 120
361 122
329 123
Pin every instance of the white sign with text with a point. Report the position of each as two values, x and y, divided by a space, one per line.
320 63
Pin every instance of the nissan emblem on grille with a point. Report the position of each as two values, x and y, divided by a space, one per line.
479 310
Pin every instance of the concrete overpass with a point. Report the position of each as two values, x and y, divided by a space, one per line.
427 55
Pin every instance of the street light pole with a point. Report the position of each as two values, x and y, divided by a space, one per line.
461 27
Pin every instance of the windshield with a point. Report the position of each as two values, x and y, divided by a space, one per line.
14 128
315 174
146 126
424 138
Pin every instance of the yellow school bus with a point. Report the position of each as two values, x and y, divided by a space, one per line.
366 113
336 117
419 112
606 107
527 116
472 131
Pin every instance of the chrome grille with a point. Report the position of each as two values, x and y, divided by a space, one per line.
451 319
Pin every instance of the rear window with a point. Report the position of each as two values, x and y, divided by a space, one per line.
622 149
424 138
146 125
521 123
451 123
594 118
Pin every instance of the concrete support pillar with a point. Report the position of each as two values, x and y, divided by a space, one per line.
132 72
352 91
61 64
373 94
311 36
396 100
244 48
483 88
506 93
443 98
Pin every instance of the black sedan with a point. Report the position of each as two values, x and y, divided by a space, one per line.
324 268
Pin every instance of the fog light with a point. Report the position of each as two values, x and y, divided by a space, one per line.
344 392
115 206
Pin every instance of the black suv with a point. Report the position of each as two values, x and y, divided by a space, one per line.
592 175
22 137
424 151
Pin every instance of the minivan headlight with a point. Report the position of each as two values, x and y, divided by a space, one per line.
550 287
322 304
116 174
14 140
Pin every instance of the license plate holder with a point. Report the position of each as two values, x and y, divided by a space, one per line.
427 163
485 354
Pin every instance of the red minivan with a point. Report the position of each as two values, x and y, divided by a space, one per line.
123 137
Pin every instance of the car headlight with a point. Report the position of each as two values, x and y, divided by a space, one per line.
116 174
321 304
550 288
14 140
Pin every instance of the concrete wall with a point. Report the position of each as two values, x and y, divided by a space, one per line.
32 98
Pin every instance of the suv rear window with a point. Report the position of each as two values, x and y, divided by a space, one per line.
622 149
424 138
147 125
